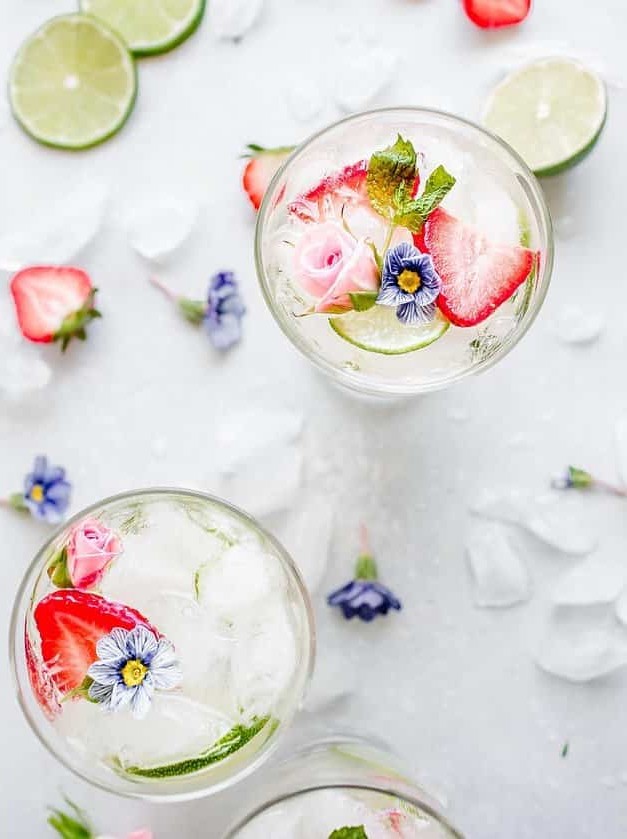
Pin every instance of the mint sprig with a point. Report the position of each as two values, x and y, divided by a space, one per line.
390 183
349 833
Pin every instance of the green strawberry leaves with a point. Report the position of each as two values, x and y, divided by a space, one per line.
363 300
390 182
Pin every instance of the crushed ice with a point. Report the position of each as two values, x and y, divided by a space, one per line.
230 20
157 228
577 324
361 70
58 232
559 521
499 575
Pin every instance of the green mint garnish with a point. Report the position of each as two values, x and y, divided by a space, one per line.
388 170
75 826
231 742
349 833
363 300
413 212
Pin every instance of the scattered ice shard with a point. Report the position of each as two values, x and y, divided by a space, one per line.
332 683
158 228
581 652
58 232
558 520
361 71
620 439
499 575
306 532
578 325
598 579
230 20
621 607
305 99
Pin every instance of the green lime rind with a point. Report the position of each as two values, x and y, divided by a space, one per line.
378 330
551 111
231 742
145 48
524 295
19 66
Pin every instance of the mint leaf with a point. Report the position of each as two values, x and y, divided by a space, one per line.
413 212
388 169
363 300
349 833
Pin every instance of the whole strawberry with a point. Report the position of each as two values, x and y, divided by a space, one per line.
53 304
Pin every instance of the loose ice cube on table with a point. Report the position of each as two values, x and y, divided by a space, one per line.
305 98
621 607
158 228
246 433
58 232
361 70
578 325
230 20
598 579
581 654
620 441
332 682
499 575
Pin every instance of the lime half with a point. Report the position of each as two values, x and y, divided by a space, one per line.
551 112
148 27
379 330
73 83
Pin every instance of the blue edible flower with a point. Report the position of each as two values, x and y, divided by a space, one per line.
364 597
46 492
410 282
225 310
131 665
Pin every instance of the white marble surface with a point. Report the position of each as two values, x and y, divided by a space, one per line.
454 688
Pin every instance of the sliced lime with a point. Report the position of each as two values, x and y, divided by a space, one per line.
149 27
551 112
379 330
73 83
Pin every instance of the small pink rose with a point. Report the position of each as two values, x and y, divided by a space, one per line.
90 549
329 263
140 834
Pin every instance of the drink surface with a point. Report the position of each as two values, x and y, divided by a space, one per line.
166 637
317 814
486 239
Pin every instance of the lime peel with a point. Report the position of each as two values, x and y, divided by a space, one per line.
378 330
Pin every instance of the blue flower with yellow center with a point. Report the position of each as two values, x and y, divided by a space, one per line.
46 491
410 282
131 665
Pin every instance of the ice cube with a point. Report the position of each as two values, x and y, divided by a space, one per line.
621 607
305 98
578 325
620 441
268 482
249 432
361 70
499 574
306 532
333 681
176 727
581 645
158 227
22 371
598 579
557 520
56 234
231 19
239 579
264 657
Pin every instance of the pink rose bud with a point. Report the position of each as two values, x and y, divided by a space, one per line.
140 834
329 263
90 549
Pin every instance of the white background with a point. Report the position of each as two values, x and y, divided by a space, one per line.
455 689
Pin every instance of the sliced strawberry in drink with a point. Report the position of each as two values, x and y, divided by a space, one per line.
70 623
490 14
477 275
325 200
41 681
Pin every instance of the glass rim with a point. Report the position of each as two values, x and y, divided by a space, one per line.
348 378
382 789
143 791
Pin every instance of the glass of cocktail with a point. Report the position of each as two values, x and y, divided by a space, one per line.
341 788
403 249
161 642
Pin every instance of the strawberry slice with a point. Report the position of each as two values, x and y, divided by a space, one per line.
41 681
326 199
53 304
70 623
260 170
477 275
490 14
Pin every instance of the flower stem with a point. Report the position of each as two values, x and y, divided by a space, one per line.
388 238
366 567
15 501
164 288
612 489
